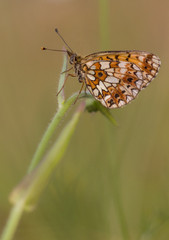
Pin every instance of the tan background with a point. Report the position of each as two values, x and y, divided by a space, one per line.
113 182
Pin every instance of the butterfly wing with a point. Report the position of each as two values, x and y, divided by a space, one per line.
116 78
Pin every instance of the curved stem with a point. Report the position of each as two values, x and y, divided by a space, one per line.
27 193
13 220
50 130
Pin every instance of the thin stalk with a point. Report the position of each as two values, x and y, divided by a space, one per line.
13 220
27 193
61 97
50 130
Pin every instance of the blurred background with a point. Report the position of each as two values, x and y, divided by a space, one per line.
113 182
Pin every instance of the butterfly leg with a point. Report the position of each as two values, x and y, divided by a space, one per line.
69 75
79 92
67 70
85 90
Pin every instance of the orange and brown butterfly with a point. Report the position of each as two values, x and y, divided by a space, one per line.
114 77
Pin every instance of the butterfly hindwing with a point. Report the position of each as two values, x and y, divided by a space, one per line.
116 78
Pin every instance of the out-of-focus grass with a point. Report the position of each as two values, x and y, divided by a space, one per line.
104 23
104 15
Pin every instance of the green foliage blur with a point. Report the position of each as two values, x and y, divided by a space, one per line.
113 182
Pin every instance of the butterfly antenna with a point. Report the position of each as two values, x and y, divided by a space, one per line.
56 30
50 49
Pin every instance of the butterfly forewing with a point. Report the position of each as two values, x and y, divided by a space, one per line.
115 78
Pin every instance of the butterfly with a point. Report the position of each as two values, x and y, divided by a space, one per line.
114 78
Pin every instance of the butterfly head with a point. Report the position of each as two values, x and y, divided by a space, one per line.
74 59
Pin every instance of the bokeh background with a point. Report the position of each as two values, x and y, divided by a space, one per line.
113 182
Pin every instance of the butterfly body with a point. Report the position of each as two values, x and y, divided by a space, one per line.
115 77
75 60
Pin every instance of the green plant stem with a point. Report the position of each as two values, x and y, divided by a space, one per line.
61 97
13 220
28 192
45 169
50 130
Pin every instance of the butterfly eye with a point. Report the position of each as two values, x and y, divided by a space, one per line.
73 59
